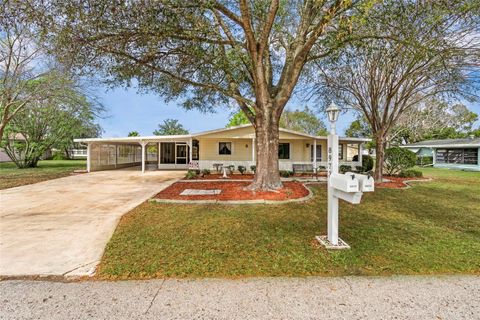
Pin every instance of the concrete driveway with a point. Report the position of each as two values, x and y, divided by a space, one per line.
61 226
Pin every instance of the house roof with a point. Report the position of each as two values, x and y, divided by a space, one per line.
204 133
450 143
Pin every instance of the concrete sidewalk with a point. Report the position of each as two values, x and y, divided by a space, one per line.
413 297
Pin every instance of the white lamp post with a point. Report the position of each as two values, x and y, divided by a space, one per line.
333 112
332 241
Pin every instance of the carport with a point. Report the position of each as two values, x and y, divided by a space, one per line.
152 152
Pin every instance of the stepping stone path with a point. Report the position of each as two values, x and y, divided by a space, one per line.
200 192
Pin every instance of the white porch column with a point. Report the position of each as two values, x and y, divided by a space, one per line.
143 143
360 154
314 155
190 155
253 151
158 155
89 157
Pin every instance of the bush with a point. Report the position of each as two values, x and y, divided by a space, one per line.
424 160
345 168
59 156
410 173
321 168
367 163
359 169
253 168
192 174
242 169
205 172
398 159
286 173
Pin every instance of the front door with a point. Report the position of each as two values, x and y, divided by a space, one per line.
182 154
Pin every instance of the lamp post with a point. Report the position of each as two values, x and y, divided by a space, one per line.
333 111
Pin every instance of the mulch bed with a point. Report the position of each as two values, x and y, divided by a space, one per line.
395 182
232 190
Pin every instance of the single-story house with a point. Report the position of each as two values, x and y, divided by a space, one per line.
209 149
450 153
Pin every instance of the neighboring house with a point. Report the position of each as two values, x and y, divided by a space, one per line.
209 149
450 153
4 156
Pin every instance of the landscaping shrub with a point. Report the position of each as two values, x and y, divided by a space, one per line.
398 159
253 168
286 173
424 160
321 168
59 156
367 163
242 169
345 168
410 173
206 172
359 169
192 174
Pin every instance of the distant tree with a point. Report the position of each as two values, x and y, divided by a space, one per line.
359 128
170 127
433 119
133 134
298 120
303 121
50 122
238 119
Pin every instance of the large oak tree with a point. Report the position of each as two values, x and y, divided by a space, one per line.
209 52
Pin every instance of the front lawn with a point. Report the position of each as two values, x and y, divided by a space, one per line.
431 228
11 176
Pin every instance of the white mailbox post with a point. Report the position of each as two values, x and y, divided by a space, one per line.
348 187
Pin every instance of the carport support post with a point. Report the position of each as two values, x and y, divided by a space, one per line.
143 143
89 157
315 155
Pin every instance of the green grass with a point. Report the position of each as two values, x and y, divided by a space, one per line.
432 228
11 176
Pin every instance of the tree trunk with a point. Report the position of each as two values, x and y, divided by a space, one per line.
267 176
379 156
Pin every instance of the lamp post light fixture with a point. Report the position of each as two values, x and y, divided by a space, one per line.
333 112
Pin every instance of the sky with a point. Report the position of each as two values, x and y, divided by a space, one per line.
128 111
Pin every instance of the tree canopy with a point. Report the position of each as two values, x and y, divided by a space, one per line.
208 52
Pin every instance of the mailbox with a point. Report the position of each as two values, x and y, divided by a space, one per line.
365 182
344 182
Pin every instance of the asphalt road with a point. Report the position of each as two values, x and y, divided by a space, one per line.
445 297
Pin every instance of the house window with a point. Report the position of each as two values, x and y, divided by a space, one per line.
457 156
319 153
224 148
284 151
340 151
